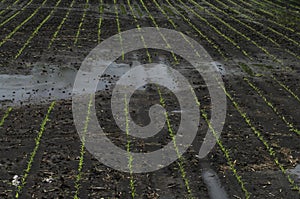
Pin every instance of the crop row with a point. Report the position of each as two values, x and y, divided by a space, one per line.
261 139
286 88
253 12
130 158
157 27
252 29
100 20
277 8
181 159
260 136
247 39
290 125
8 7
222 147
236 105
22 23
35 150
204 115
162 101
138 26
119 28
16 14
82 148
53 38
288 4
6 114
275 110
86 6
226 37
35 32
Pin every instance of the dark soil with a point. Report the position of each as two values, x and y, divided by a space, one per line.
55 166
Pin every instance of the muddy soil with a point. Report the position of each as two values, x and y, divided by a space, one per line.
41 75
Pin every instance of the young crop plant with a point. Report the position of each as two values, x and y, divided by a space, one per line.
86 6
214 28
82 148
100 20
122 9
20 25
8 7
33 153
181 159
119 28
267 3
225 151
250 28
130 158
231 28
259 16
263 25
293 4
138 10
139 27
180 164
286 88
6 114
126 112
165 14
290 125
212 43
35 32
259 135
247 69
204 115
277 12
61 24
184 37
16 14
157 27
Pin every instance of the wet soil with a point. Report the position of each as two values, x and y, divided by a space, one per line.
41 75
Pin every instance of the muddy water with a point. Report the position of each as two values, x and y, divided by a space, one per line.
295 173
47 83
212 181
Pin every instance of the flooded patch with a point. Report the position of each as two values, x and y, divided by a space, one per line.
295 173
42 84
49 83
220 67
212 181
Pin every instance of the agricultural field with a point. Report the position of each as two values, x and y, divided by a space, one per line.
254 45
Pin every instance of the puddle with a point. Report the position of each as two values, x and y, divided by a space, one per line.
295 173
219 67
41 85
48 83
212 181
